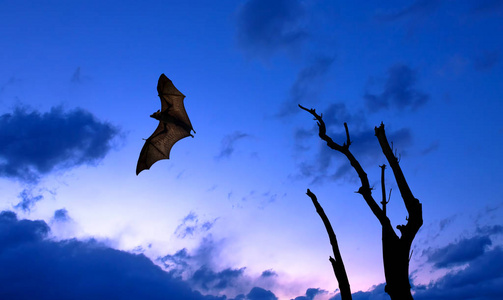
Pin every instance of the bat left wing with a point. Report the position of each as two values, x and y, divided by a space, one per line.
172 102
174 125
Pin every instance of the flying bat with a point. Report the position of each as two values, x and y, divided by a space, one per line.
174 125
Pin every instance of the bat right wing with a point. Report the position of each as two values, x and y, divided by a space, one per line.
159 144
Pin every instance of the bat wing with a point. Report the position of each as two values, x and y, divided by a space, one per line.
172 101
174 125
159 144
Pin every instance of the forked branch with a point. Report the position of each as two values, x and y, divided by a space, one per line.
365 190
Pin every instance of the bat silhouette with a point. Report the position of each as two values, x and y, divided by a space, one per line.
174 125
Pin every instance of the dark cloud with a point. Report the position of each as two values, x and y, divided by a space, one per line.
14 232
198 268
179 260
191 225
487 60
201 268
28 200
229 144
257 293
464 250
61 215
481 279
311 293
481 276
418 8
264 27
399 91
34 267
208 280
459 253
268 273
306 86
33 144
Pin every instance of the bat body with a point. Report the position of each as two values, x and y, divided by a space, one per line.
174 125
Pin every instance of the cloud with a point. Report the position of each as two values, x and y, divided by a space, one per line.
34 267
376 292
490 230
228 144
417 8
61 215
481 279
190 226
257 293
460 252
207 279
264 27
307 85
28 200
464 250
14 232
268 273
33 144
474 268
202 268
398 92
311 293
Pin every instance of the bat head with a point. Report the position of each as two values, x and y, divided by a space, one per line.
156 115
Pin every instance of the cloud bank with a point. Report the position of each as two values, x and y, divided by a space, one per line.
33 144
32 266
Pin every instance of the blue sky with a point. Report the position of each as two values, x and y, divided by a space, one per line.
227 216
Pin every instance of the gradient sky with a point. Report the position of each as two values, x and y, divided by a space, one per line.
227 215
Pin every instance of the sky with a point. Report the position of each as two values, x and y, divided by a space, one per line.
227 216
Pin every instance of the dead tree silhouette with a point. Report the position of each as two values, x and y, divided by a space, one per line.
395 249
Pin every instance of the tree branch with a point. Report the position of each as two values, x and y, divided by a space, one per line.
413 206
383 189
365 190
337 263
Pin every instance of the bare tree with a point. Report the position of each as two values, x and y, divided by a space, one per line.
395 249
